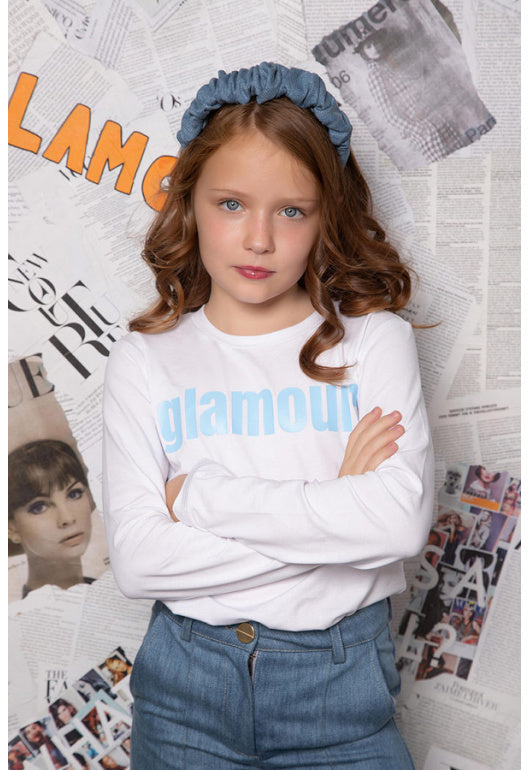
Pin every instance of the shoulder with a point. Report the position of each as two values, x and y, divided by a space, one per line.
362 332
140 347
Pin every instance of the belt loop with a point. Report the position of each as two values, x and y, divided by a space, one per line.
339 654
185 633
389 608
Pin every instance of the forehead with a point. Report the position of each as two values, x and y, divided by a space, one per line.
251 160
44 482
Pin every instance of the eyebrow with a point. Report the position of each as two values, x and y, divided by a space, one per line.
74 483
240 194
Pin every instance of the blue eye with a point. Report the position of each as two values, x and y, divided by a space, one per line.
231 205
291 212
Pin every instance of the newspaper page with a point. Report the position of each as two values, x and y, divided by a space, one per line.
97 92
452 213
403 70
485 427
447 637
57 635
88 725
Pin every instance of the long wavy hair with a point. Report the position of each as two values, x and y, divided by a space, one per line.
352 266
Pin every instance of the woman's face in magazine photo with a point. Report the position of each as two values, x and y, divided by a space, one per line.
57 526
65 713
85 689
34 732
486 476
373 50
117 666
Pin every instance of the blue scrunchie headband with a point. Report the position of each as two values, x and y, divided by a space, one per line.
267 81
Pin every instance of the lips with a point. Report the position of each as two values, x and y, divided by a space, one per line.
254 272
75 539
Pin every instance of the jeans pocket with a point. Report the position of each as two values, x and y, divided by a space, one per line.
144 649
386 654
359 702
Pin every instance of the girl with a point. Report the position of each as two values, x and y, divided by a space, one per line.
50 511
262 388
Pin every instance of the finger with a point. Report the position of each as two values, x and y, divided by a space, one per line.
368 419
379 457
360 458
368 430
372 424
377 443
379 426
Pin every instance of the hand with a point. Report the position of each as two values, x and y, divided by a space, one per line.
173 488
371 442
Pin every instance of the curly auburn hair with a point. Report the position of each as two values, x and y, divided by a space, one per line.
351 264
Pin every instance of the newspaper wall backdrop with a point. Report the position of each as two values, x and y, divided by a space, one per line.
97 90
402 68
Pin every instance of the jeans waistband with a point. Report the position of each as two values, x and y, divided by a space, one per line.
364 625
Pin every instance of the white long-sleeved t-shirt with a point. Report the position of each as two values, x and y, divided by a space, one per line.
266 530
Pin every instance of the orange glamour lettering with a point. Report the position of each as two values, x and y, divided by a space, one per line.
110 149
18 104
151 186
71 140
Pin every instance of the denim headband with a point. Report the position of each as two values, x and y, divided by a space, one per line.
267 81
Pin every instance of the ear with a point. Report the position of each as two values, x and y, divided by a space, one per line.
12 532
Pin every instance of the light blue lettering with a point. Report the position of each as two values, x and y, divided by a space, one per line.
253 401
252 412
170 423
317 410
297 421
348 392
190 410
214 420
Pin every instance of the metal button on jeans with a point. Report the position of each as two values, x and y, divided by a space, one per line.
245 633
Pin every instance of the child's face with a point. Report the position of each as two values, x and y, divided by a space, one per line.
258 217
57 526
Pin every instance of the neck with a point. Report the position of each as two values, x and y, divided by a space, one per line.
63 574
247 319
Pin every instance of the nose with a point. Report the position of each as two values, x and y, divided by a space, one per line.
259 236
65 515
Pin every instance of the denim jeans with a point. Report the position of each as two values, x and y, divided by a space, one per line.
209 697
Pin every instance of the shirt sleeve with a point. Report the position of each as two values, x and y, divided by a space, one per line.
151 555
369 520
